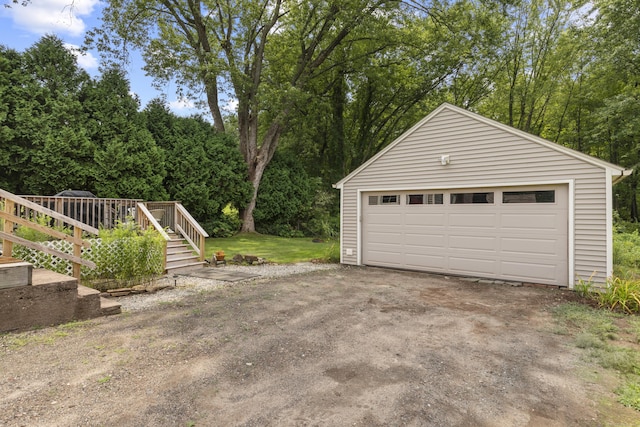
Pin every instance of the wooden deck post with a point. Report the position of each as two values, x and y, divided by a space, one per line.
77 250
7 245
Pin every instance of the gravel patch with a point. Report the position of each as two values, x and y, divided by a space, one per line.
183 286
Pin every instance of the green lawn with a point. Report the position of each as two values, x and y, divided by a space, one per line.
280 250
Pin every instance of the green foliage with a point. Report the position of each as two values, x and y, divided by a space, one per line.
285 200
626 250
617 295
620 294
228 224
128 255
44 144
129 163
630 394
280 250
325 221
38 236
205 171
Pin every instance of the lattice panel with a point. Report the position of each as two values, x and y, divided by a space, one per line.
108 259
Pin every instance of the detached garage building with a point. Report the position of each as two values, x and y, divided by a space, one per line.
461 194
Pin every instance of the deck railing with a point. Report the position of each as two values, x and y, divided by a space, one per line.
106 213
174 216
20 211
95 212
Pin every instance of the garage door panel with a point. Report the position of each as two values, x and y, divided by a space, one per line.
475 243
385 218
432 241
425 219
531 222
472 220
543 273
472 265
388 257
422 261
529 246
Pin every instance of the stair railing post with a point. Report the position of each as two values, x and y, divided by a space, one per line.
175 216
7 246
201 238
77 250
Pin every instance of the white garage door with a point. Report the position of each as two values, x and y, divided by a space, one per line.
510 233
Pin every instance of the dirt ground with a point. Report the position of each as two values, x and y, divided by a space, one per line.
351 346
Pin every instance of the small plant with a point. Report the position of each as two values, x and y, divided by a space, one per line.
584 288
621 294
38 236
630 394
104 379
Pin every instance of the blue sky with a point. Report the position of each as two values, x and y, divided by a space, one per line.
21 27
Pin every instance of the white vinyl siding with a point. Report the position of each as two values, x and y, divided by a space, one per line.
483 155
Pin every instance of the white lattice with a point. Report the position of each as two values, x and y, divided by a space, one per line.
109 259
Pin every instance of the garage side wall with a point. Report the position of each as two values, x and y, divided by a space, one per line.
481 155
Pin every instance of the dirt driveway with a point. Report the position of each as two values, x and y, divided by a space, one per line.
351 346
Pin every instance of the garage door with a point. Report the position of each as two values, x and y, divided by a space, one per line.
510 233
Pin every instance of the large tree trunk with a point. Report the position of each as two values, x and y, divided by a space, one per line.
256 158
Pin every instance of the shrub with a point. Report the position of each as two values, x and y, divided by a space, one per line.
623 294
127 255
286 197
38 236
626 252
618 294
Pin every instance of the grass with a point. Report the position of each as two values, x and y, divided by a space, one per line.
609 339
280 250
46 336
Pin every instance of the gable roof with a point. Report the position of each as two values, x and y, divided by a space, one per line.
617 172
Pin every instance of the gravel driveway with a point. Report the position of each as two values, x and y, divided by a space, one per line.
335 347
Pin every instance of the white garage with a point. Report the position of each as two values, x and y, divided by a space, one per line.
461 194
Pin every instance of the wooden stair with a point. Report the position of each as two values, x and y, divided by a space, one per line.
50 299
180 256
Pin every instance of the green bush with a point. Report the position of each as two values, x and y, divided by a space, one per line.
622 294
324 223
126 255
286 198
626 252
225 225
38 236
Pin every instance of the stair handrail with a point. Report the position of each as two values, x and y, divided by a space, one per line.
144 218
11 217
191 230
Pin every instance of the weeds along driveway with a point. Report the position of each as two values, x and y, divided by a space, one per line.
350 346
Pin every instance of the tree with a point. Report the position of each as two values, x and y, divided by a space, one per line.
263 53
534 62
47 149
398 68
13 86
128 162
219 178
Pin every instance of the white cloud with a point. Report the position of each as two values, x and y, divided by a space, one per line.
181 104
53 16
86 60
